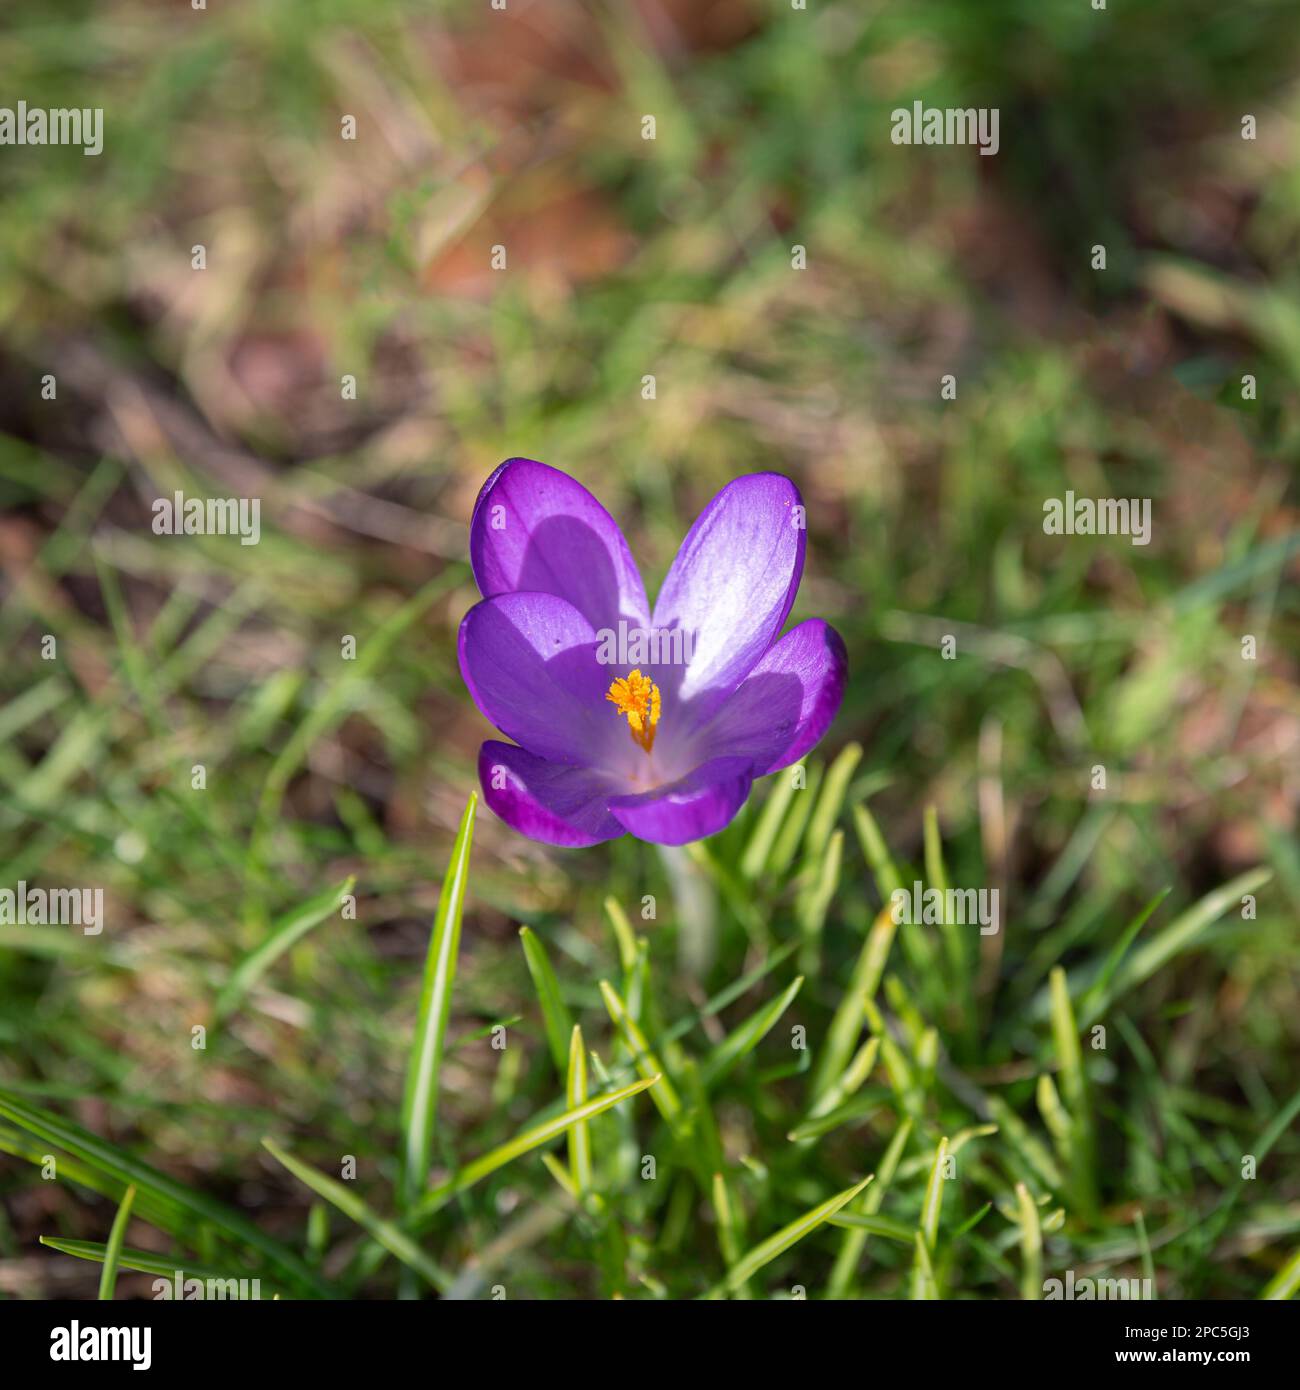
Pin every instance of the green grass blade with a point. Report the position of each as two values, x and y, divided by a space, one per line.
555 1014
874 1226
1055 1116
1028 1147
954 938
933 1204
391 1237
936 872
575 1093
158 1211
746 1036
788 841
142 1261
530 1139
420 1097
852 1112
113 1250
1074 1081
853 1076
876 852
728 1221
924 1284
1186 930
647 1063
846 1025
1031 1245
815 901
926 1056
561 1174
286 932
1262 1144
768 826
849 1080
1144 1245
1284 1284
835 788
128 1170
623 934
964 1136
766 1251
1093 1001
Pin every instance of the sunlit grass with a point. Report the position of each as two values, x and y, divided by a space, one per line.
433 1057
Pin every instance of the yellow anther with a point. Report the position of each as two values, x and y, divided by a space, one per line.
638 698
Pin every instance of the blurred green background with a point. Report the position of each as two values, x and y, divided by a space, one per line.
670 258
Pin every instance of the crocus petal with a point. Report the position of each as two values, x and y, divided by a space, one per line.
696 805
731 587
786 703
549 802
529 661
536 529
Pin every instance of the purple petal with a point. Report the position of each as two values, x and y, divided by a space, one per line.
529 661
786 703
546 801
731 586
696 805
536 529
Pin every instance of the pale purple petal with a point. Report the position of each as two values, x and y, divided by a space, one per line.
699 804
731 587
529 661
536 529
785 704
549 802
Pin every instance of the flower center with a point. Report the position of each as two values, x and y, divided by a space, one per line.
638 698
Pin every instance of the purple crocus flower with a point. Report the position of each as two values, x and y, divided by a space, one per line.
623 719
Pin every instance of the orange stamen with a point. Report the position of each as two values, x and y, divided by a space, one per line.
638 698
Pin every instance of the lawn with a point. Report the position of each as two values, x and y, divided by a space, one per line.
347 1033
